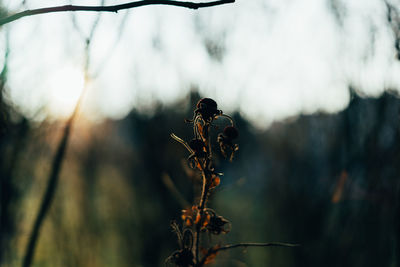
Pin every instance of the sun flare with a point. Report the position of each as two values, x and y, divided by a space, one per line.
65 87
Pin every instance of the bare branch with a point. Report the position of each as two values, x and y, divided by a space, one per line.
58 159
272 244
243 245
48 196
112 8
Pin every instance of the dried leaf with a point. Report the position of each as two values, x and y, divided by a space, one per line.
211 257
215 182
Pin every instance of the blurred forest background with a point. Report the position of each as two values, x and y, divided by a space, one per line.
328 181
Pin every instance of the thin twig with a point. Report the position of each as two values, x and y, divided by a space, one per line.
271 244
243 245
112 8
228 117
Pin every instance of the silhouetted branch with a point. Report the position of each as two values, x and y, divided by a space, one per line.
243 245
49 194
57 163
112 8
272 244
51 187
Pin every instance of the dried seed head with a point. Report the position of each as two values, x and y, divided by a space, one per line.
207 103
207 108
226 145
231 132
217 224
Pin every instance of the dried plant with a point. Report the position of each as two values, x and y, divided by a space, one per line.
199 219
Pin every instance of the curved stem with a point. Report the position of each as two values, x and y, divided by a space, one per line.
180 140
201 208
202 204
228 117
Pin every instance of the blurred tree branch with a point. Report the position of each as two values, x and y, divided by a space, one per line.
49 193
58 158
112 8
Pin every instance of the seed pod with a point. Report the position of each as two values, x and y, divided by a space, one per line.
207 108
231 132
226 145
217 224
207 103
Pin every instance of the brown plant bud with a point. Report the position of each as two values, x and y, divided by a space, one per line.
207 103
217 224
231 132
207 108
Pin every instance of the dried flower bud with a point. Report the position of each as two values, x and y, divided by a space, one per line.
231 132
217 224
207 108
207 103
227 147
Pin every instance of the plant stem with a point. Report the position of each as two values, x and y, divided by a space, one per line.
204 192
203 199
205 188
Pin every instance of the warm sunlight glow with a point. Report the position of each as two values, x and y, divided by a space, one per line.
241 55
64 88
